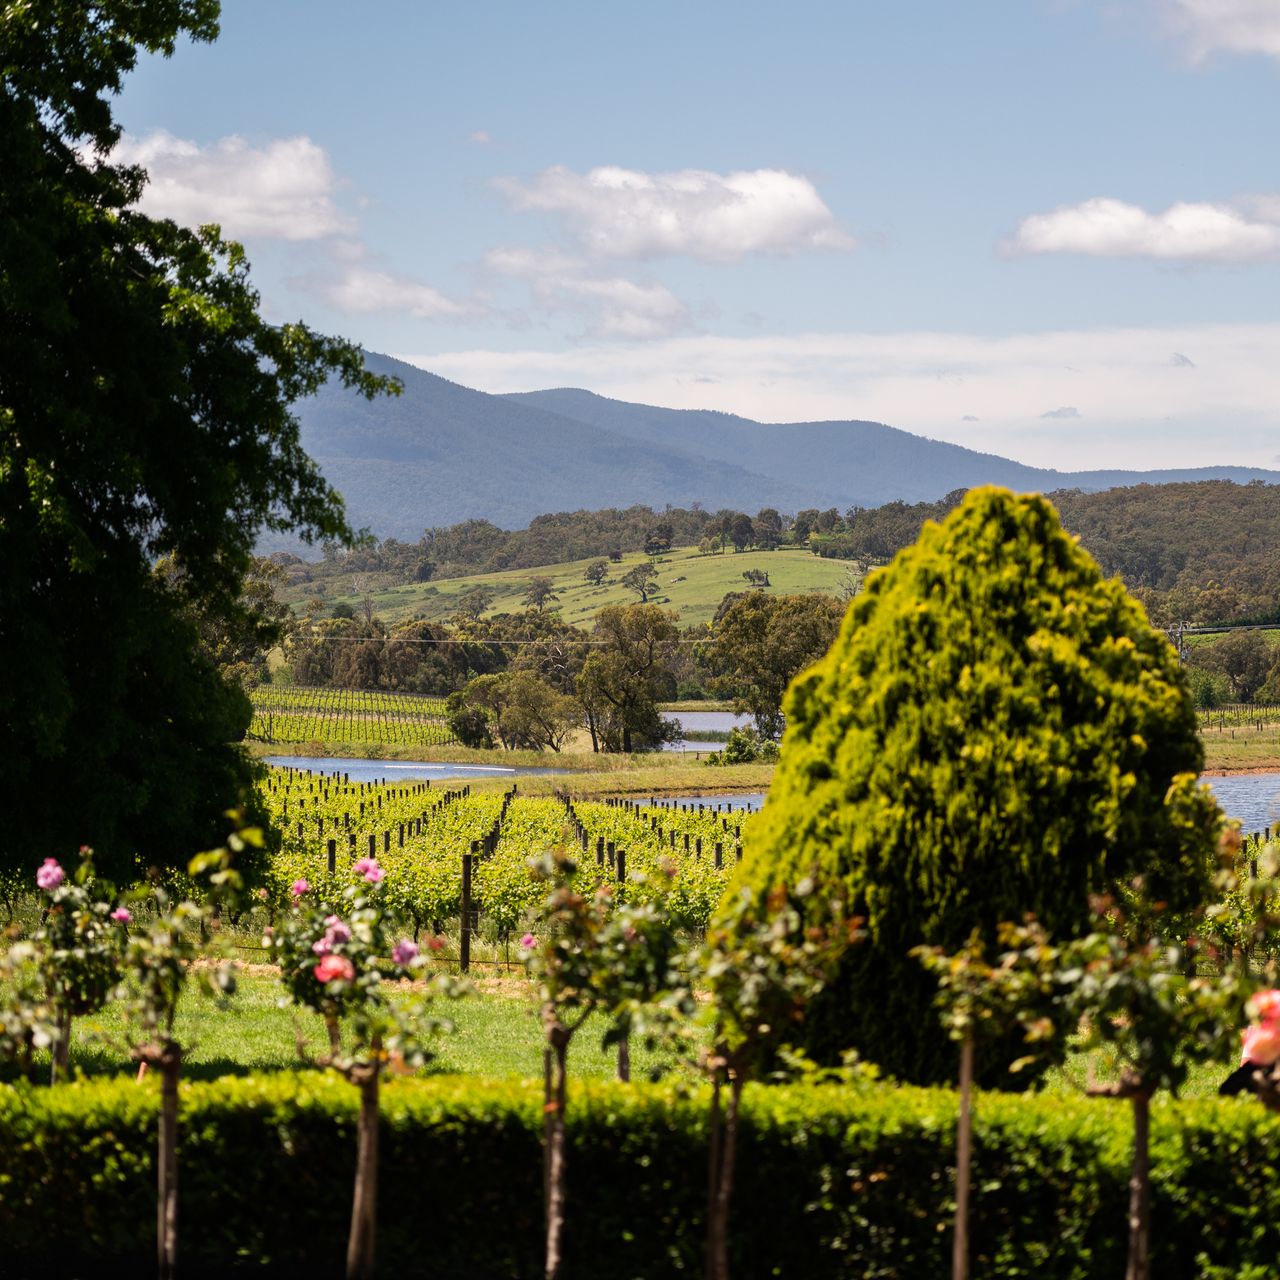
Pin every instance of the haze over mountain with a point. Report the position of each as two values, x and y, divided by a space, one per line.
441 453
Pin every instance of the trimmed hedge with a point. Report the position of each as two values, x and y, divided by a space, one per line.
832 1182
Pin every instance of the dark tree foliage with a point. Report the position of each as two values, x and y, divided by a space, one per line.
759 644
1199 551
996 730
144 413
626 675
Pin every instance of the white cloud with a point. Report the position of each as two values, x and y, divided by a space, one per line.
480 138
1141 412
364 290
612 306
1233 26
624 213
1067 411
1109 228
283 189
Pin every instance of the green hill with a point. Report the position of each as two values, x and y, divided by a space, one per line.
688 581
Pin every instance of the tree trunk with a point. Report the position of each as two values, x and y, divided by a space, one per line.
715 1133
60 1067
964 1161
555 1160
548 1111
626 737
170 1063
1139 1266
335 1033
724 1187
364 1207
624 1058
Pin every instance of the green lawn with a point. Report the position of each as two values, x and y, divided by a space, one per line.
497 1034
691 583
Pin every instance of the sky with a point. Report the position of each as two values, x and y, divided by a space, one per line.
1048 229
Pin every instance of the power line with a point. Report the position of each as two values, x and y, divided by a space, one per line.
473 643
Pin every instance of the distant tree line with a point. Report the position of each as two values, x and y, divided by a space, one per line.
530 680
1196 552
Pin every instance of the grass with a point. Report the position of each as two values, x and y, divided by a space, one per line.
497 1033
1271 635
689 582
586 773
1241 748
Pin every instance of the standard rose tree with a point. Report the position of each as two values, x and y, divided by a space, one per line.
1259 1069
762 962
28 1022
1128 991
981 1001
335 957
594 955
78 948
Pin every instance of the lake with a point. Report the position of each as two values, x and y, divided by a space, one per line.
704 722
403 770
1253 798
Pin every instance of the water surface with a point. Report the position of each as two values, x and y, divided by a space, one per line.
404 770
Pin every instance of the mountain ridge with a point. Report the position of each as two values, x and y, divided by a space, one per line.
442 453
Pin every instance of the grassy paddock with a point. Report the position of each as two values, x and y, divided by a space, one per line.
688 581
1240 749
587 775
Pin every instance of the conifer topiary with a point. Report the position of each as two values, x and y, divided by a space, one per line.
997 730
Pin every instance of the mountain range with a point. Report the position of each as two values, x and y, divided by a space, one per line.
440 453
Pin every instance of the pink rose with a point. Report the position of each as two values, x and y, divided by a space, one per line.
299 887
368 869
122 915
528 941
405 953
323 946
334 968
335 930
1265 1005
1261 1044
50 875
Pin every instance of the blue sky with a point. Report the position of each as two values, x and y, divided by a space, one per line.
1045 228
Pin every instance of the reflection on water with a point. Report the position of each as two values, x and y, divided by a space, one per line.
703 722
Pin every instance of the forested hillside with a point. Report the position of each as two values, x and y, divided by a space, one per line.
1202 552
1207 551
441 453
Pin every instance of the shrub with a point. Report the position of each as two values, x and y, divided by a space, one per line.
994 732
832 1181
